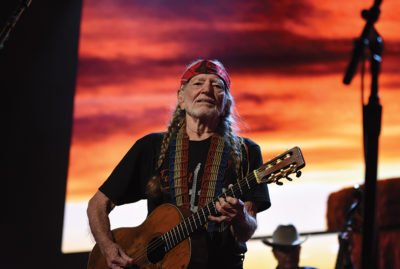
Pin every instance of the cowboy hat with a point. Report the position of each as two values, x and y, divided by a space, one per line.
285 235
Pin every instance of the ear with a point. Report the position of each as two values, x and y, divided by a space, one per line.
181 99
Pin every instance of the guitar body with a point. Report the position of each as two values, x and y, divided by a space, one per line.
138 240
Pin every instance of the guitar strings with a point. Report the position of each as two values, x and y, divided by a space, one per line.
157 243
142 256
248 182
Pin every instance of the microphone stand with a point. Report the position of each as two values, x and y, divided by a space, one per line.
372 113
12 21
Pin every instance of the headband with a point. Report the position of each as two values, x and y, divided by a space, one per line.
206 67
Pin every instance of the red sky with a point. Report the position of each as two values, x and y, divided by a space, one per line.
286 61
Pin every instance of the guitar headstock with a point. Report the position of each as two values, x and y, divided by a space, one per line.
281 166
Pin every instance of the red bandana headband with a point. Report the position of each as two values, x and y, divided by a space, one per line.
206 67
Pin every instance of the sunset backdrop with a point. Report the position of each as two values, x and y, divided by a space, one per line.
286 60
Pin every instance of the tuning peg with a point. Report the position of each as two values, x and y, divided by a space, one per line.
298 173
289 178
279 183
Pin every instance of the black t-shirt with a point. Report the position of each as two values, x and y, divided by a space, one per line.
127 184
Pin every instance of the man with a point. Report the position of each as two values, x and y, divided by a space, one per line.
197 159
286 247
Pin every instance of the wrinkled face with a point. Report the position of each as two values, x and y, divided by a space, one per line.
204 97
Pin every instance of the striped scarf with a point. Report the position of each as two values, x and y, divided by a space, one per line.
214 169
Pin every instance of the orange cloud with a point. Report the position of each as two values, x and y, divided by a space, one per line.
286 61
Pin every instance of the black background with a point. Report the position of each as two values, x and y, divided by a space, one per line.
37 76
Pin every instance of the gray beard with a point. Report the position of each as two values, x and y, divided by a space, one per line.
203 114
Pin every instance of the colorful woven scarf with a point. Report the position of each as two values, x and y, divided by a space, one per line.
178 165
214 169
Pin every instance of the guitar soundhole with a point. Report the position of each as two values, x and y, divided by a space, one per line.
155 250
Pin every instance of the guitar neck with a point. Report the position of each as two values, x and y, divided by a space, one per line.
198 219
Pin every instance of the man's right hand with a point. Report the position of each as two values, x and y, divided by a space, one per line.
98 209
116 257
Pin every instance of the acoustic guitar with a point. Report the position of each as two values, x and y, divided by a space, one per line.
169 235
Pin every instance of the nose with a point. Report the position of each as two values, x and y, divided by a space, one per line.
207 87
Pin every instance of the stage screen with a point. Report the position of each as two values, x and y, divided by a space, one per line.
286 60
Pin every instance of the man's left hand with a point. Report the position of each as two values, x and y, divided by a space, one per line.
230 209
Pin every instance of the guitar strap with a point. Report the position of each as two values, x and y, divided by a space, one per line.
214 169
